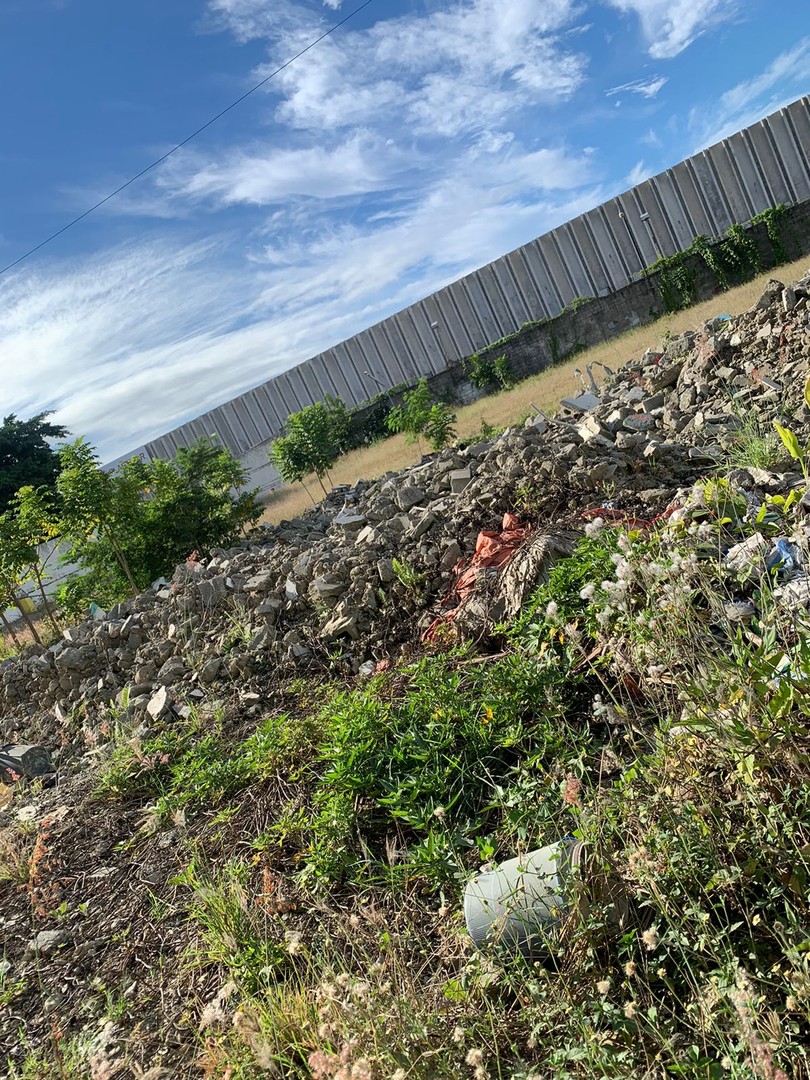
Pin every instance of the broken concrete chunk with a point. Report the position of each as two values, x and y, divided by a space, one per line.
26 760
327 586
338 625
158 703
350 520
409 496
583 403
260 582
459 478
452 553
592 430
745 557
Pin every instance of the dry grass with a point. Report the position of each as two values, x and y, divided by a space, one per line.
544 391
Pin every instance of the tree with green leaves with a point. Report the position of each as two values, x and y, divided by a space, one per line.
34 516
314 439
16 558
26 458
420 414
98 512
127 528
191 503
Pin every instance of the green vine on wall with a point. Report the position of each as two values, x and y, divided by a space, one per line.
676 280
772 219
732 259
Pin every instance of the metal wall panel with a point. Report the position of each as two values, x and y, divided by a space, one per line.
594 254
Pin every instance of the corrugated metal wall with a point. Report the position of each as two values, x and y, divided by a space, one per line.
596 253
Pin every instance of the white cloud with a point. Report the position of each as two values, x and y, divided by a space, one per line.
360 164
500 55
670 26
127 345
746 102
638 173
646 88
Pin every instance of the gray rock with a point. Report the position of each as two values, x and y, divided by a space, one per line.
459 478
212 591
261 582
327 586
409 496
583 403
158 703
338 625
421 526
350 521
210 670
70 660
452 553
47 941
385 569
737 611
24 760
172 671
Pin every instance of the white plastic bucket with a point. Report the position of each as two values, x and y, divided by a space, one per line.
523 903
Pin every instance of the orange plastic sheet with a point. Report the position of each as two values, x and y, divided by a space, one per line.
492 549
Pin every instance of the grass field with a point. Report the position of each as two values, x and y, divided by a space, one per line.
544 390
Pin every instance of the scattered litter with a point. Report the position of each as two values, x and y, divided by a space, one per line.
525 902
784 557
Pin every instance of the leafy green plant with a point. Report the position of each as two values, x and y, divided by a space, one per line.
436 767
754 445
232 925
485 372
127 528
411 416
406 575
438 429
773 221
676 280
187 767
793 447
314 439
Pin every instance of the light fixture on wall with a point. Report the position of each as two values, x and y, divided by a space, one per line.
382 386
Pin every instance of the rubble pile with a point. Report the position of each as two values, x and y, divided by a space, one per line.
354 579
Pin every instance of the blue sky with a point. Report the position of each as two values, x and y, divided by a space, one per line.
423 139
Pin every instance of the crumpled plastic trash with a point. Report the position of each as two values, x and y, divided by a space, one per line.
492 550
784 557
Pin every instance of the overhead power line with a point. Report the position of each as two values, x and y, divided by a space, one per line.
187 140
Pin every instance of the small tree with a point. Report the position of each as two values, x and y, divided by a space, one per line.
35 519
439 430
16 557
95 510
193 502
419 414
127 528
291 460
314 439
